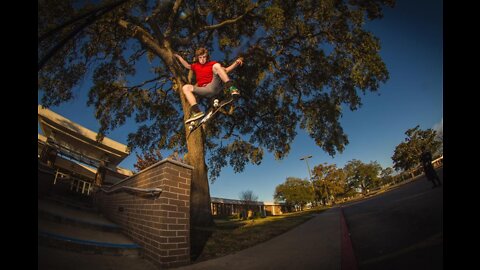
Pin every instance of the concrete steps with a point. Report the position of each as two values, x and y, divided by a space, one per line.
56 259
69 229
74 201
85 240
86 218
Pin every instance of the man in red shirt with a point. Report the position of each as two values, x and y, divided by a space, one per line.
209 75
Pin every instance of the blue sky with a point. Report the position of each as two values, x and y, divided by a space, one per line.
411 36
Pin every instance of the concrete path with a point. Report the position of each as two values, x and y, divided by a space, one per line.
315 244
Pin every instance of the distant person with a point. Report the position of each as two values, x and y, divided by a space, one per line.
430 173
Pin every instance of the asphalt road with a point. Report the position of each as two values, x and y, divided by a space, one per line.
400 229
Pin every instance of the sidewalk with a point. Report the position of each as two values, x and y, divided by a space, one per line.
315 244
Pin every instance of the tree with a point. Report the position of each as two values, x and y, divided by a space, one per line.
294 191
303 60
407 154
439 137
361 175
147 159
249 199
329 181
386 175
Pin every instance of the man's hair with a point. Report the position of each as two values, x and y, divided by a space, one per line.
201 51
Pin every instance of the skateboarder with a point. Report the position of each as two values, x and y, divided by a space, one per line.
430 173
209 75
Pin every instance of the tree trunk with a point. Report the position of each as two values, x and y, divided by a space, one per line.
200 191
201 219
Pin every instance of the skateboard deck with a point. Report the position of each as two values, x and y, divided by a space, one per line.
217 105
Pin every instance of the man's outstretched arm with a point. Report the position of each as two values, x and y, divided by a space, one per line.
235 64
184 63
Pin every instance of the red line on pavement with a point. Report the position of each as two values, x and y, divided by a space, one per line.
348 262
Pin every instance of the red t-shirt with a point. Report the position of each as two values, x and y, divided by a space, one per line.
203 73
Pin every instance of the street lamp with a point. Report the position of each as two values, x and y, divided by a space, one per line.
308 167
309 173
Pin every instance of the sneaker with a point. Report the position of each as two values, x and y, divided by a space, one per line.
234 91
194 116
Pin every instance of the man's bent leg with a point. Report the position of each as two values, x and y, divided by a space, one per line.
220 71
195 112
188 92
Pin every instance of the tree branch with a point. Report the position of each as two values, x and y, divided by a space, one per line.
173 15
226 22
156 30
137 54
145 39
145 82
155 12
230 133
105 7
186 40
153 24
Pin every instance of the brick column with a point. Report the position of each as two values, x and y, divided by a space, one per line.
161 225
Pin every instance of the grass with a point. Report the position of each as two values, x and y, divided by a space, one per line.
234 235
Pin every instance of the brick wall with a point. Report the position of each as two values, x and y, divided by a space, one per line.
161 225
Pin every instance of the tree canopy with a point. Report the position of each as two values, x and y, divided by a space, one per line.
303 60
147 159
386 175
295 191
363 175
329 181
407 154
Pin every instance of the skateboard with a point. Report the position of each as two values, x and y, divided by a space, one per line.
216 106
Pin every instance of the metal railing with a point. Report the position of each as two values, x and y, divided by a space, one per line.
153 192
438 162
86 187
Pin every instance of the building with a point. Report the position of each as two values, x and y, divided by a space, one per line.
71 155
275 209
222 207
83 193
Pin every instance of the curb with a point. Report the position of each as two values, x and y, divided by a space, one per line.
348 260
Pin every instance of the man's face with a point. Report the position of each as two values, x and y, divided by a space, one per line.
202 59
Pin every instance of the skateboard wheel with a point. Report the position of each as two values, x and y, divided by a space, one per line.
190 127
215 103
